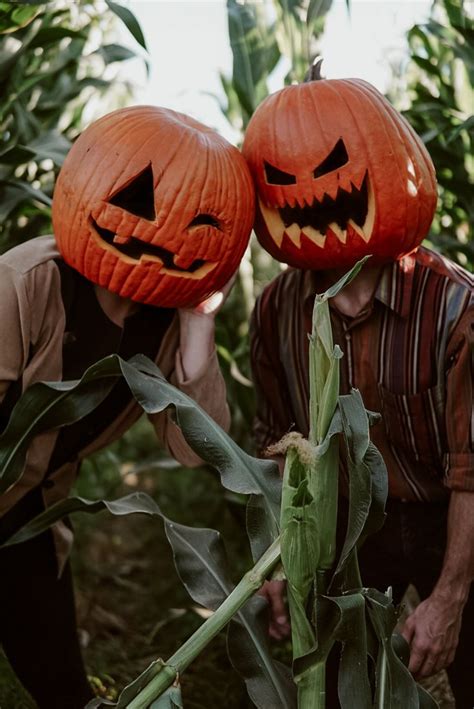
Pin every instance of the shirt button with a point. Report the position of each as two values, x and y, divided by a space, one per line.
347 336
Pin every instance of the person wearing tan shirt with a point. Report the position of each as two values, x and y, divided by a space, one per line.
49 315
137 228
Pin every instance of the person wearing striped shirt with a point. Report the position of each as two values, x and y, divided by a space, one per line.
406 331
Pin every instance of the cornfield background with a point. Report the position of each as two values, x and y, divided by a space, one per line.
58 66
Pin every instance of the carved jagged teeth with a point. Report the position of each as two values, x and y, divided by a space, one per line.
357 228
294 232
151 257
315 235
370 218
121 239
274 222
340 233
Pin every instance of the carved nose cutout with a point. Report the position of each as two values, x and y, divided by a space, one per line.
137 197
336 158
275 176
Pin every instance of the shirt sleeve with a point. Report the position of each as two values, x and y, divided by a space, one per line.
208 389
15 319
459 461
273 418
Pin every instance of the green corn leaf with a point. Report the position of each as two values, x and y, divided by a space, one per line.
131 690
269 684
341 619
251 47
13 193
114 53
202 566
52 145
136 502
345 279
299 548
49 35
395 688
171 699
367 474
46 406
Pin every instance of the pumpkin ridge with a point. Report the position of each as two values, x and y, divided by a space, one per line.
312 95
397 128
359 89
421 159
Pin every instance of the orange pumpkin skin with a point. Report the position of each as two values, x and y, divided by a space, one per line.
330 150
153 206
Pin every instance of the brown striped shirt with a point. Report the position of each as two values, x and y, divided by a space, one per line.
410 353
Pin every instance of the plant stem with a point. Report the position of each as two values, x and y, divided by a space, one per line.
178 662
312 689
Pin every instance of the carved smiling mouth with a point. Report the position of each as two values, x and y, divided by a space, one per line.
348 209
135 251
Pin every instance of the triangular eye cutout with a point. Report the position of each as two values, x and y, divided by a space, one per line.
138 196
275 176
336 158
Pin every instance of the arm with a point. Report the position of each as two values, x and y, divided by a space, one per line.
432 630
197 374
15 318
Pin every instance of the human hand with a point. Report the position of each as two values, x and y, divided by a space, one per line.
432 632
211 305
274 593
196 331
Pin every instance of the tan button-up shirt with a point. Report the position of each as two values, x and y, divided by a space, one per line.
32 321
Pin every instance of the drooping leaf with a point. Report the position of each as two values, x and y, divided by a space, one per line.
202 566
171 699
115 53
136 502
395 688
46 406
14 193
269 684
366 469
52 145
342 619
129 20
43 407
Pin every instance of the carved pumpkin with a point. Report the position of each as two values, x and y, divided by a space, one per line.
153 206
339 174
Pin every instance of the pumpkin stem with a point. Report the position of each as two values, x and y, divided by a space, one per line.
314 71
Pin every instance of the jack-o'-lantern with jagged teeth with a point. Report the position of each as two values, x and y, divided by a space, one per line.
339 174
153 206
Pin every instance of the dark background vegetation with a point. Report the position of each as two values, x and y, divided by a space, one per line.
58 66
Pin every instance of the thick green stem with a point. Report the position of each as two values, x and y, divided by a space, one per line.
178 662
312 689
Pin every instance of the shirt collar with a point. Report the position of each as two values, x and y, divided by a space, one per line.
393 290
395 285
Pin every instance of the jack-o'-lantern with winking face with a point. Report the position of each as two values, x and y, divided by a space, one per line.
339 174
153 206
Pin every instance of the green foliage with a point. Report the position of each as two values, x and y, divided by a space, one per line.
54 62
439 86
263 35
